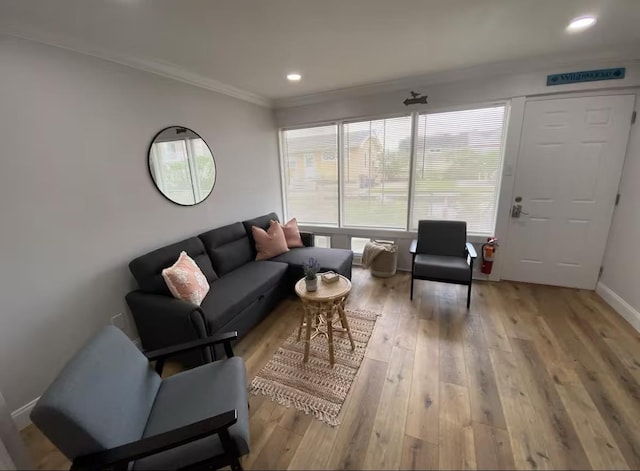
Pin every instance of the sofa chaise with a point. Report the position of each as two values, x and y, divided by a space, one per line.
242 290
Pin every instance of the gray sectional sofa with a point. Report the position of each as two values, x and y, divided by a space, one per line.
242 290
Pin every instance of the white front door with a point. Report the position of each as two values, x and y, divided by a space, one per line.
567 176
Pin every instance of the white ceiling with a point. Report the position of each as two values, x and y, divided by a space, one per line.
250 45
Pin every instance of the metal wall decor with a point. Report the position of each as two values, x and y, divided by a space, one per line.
415 99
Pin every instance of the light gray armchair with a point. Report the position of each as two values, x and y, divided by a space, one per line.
108 408
442 253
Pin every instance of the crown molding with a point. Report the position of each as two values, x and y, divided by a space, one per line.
156 67
627 53
482 71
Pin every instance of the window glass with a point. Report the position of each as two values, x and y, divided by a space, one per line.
457 167
311 181
377 156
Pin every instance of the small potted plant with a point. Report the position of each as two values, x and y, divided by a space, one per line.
311 268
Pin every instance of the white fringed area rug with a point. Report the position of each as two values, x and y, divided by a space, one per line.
314 387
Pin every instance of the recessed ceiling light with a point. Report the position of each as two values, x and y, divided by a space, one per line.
581 23
294 77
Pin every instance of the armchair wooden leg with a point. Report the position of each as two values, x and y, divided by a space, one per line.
230 449
411 287
469 296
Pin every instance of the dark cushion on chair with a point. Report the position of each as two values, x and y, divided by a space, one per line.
101 399
228 247
196 395
442 267
147 269
239 288
337 260
442 237
262 222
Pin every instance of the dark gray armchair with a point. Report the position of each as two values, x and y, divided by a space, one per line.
109 408
442 253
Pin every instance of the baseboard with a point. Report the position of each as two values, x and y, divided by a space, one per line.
20 416
619 305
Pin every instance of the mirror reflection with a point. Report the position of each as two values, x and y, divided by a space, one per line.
182 165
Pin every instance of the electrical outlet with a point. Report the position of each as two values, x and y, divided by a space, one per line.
119 321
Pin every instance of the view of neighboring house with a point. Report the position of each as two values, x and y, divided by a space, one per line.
315 157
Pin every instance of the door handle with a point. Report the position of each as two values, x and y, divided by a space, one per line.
516 211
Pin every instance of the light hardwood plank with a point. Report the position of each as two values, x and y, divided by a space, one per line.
565 449
596 438
486 407
422 418
352 441
279 450
418 454
490 316
385 443
493 448
452 326
457 447
526 432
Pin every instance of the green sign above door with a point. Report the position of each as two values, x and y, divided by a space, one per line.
586 76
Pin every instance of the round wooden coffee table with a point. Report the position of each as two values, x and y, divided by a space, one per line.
320 306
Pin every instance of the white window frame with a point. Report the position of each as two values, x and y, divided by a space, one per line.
284 169
360 231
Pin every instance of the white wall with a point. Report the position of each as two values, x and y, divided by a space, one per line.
621 276
77 202
463 92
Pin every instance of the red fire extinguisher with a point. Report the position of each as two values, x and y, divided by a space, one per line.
488 252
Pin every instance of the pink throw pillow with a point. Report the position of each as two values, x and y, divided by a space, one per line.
185 280
269 243
292 234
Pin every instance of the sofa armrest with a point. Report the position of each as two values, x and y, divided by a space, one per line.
414 246
163 321
308 239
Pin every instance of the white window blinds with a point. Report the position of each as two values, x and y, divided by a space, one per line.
375 172
310 165
457 167
456 170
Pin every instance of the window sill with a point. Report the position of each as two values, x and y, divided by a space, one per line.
378 233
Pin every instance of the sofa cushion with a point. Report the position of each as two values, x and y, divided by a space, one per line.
238 289
263 223
228 247
196 395
337 260
147 269
442 267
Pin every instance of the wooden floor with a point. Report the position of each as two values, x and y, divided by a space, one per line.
532 377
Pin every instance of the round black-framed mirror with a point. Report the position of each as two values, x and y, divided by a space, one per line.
181 165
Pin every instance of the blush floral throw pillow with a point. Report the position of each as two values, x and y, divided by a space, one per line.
185 280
